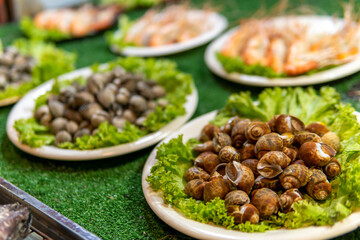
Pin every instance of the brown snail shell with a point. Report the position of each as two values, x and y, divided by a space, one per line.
316 154
216 187
266 201
240 176
210 162
199 160
208 132
256 129
228 154
227 128
195 189
318 128
331 139
299 162
272 164
247 151
291 153
236 197
272 123
333 168
318 187
220 169
221 140
238 141
205 147
269 142
246 212
252 164
238 133
288 139
303 137
295 176
288 198
271 183
288 123
196 173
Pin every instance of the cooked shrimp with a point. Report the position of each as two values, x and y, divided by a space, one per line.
276 54
255 51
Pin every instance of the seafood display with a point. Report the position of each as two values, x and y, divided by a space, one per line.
173 24
289 45
67 22
15 221
15 68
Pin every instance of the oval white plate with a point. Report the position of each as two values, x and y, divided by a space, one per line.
218 22
209 231
24 109
318 24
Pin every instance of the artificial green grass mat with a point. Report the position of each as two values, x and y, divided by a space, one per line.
105 196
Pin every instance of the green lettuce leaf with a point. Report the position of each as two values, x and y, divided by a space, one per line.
310 106
32 133
131 4
117 39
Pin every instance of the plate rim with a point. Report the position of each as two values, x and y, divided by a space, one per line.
220 26
332 74
190 227
94 154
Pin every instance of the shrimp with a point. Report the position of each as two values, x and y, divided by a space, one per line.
255 50
276 54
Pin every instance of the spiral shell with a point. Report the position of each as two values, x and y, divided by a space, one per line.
196 173
316 154
288 198
288 123
318 128
205 147
295 176
288 139
331 139
210 162
291 153
236 197
303 137
272 164
271 183
246 212
272 123
216 187
238 133
227 128
269 142
195 189
199 160
228 154
208 131
247 151
252 164
333 168
256 129
318 187
221 140
266 201
299 162
240 176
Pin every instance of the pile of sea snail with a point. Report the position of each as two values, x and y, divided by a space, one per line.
259 168
115 96
15 68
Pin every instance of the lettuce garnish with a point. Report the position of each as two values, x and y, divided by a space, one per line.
50 62
325 106
177 84
117 39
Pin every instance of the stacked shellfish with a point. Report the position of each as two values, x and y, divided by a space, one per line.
114 96
259 168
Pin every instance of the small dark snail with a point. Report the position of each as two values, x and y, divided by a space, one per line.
318 187
195 189
291 153
252 164
272 164
303 137
216 187
227 128
228 154
205 147
247 151
288 123
196 173
269 142
199 160
333 168
236 197
318 128
221 140
316 154
238 133
295 176
246 212
256 129
208 132
331 139
240 176
288 198
271 183
266 201
210 162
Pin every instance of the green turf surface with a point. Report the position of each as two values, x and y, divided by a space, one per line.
105 196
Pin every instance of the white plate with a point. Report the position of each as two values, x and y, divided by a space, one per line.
24 109
318 24
218 22
209 231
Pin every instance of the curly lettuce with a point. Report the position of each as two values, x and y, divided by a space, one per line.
50 62
177 84
325 106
